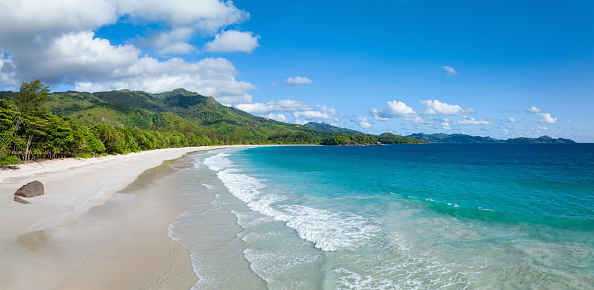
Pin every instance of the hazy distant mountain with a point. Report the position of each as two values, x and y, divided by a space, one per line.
463 138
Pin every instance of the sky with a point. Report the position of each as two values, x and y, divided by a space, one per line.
497 68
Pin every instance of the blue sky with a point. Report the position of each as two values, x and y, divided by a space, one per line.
491 68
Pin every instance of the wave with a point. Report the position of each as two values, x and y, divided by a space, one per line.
327 230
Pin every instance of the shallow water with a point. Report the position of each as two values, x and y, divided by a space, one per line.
453 216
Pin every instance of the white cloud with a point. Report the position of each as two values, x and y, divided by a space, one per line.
534 109
446 126
472 121
309 115
450 71
280 106
419 120
325 108
436 107
542 128
274 84
233 41
399 109
377 114
394 109
171 42
365 125
298 81
204 15
546 118
54 41
568 121
512 119
363 122
278 117
91 87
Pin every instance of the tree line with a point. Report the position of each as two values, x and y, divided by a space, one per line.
28 132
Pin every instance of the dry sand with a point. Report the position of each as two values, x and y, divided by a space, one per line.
83 234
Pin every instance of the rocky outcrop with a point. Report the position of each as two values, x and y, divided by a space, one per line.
19 199
31 189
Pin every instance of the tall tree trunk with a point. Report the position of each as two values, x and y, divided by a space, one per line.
27 150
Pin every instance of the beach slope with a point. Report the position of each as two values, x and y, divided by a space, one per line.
85 234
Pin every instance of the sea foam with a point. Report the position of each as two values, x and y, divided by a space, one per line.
326 229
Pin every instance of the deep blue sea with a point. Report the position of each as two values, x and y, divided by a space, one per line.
436 216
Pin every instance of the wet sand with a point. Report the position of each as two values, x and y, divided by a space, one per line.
102 224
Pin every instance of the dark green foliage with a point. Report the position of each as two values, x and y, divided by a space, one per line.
32 97
291 138
116 122
336 140
357 139
178 110
9 160
330 128
389 138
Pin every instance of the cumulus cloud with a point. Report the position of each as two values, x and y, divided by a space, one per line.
419 120
325 108
309 115
436 107
203 15
278 117
363 122
512 120
472 121
171 42
394 109
233 41
399 109
450 71
296 81
446 126
546 118
54 41
534 109
280 106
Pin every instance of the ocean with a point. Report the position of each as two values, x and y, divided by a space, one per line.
435 216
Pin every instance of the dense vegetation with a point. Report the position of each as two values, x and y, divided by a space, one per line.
362 139
35 124
462 138
330 128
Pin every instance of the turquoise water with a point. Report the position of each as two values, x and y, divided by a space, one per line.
437 216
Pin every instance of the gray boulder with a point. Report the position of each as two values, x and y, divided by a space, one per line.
19 199
30 189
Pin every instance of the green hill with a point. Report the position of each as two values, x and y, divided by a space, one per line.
178 110
329 128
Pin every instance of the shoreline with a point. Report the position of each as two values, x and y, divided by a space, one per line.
102 223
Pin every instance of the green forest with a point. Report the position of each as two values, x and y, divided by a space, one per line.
36 124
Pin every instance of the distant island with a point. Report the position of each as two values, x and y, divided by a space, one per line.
463 138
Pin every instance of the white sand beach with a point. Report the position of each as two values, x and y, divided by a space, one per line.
83 234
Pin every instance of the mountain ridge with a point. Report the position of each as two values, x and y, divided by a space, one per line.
463 138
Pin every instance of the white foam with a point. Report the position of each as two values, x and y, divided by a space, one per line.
217 162
328 230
